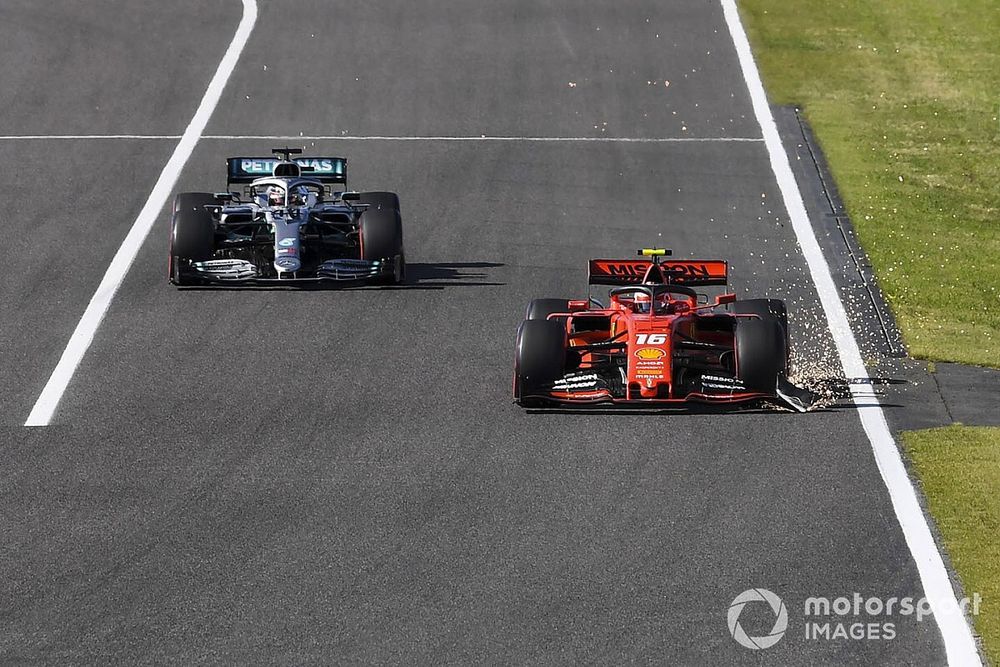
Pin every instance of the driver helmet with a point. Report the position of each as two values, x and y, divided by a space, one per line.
275 195
661 304
641 302
297 196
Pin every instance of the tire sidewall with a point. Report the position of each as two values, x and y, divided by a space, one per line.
768 309
192 230
540 357
540 309
760 353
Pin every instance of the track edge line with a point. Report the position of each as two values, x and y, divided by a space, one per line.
83 335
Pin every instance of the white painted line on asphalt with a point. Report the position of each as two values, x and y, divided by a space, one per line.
341 137
83 335
630 140
63 137
960 647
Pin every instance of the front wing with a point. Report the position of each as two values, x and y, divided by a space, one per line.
243 272
571 392
603 396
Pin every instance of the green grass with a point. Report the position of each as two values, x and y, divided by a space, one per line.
904 96
959 469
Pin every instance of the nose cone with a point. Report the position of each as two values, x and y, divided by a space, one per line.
654 389
287 247
287 263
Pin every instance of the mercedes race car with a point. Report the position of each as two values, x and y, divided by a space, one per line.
292 223
657 343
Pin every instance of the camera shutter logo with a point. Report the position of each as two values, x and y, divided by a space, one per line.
780 620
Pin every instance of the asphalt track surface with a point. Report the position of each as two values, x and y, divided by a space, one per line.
255 475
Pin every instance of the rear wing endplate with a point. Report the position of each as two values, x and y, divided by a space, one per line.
690 272
326 170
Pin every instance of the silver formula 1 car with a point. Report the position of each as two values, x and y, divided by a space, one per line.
292 223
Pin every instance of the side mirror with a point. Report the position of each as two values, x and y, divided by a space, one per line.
725 298
350 196
225 196
575 306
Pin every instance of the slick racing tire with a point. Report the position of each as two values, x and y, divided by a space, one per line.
767 309
379 200
192 233
760 353
540 309
381 234
540 360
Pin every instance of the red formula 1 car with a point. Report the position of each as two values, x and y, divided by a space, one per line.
657 343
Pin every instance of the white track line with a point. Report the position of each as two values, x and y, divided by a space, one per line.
341 137
627 140
83 335
960 647
64 137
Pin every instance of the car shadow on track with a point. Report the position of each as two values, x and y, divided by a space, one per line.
835 393
447 274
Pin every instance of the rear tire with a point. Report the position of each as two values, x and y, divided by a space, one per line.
379 200
540 309
381 233
768 309
539 360
192 234
760 353
193 200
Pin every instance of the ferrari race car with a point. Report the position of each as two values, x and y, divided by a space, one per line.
657 343
293 223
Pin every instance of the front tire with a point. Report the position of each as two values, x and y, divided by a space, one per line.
192 234
381 234
773 309
540 360
540 309
761 355
385 201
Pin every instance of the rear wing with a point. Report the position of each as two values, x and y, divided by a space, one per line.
690 272
327 170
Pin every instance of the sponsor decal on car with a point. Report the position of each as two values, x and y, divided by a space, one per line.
649 353
588 381
694 271
266 166
721 382
286 243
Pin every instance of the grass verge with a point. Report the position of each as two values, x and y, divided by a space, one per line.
904 98
959 470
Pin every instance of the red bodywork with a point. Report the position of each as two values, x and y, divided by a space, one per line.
677 351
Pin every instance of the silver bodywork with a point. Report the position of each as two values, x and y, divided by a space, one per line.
330 219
